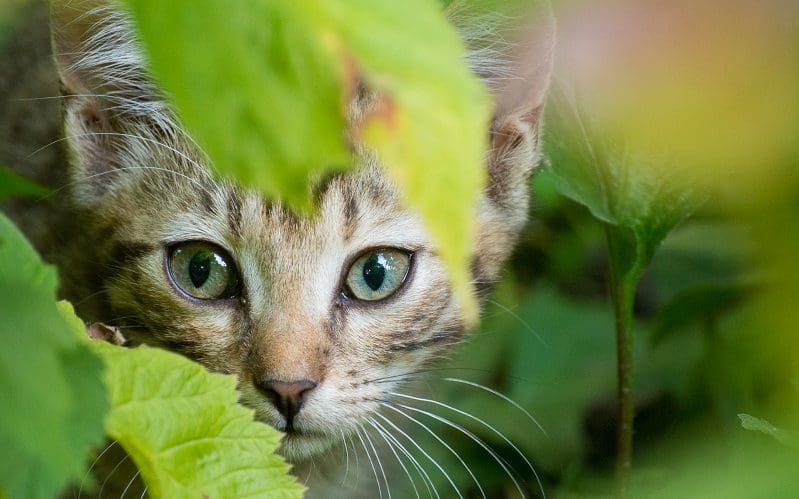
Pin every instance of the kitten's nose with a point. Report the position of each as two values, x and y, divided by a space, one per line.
286 396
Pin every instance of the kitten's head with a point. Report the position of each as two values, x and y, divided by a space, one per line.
317 317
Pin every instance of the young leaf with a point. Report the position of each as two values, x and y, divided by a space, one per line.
50 381
185 431
265 87
639 196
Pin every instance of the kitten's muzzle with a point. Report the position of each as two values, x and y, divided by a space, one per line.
286 396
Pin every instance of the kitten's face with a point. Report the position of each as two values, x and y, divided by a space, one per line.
299 304
318 317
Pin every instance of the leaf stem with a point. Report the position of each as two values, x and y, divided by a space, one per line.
622 291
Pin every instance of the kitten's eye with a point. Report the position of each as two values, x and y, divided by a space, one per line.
378 274
203 270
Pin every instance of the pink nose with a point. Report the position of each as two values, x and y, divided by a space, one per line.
286 396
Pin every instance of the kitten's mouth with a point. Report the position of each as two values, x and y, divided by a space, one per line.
298 445
288 428
293 433
290 432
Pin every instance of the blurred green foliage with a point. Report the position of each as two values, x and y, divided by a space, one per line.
701 358
8 12
714 337
715 312
53 398
254 84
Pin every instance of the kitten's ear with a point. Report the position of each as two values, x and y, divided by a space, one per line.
112 107
513 55
515 61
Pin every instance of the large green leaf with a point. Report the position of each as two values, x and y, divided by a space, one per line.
265 87
50 381
254 84
185 430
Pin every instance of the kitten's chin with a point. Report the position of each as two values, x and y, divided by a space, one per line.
297 447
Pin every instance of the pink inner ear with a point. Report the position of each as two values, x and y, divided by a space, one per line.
91 116
509 132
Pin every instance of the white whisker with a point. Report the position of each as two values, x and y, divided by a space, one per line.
347 459
357 464
503 397
430 458
379 462
425 477
128 136
473 437
128 485
446 445
394 377
94 463
115 170
521 321
393 451
371 463
100 493
475 418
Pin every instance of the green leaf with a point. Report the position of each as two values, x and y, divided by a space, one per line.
559 372
696 304
255 86
784 437
14 185
560 365
639 195
185 431
50 381
265 87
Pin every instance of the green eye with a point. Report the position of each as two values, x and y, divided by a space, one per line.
378 274
203 271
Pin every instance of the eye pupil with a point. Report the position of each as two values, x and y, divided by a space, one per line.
374 271
200 268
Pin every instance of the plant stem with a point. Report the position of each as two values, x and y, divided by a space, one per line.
622 291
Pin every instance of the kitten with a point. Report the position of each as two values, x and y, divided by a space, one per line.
318 318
